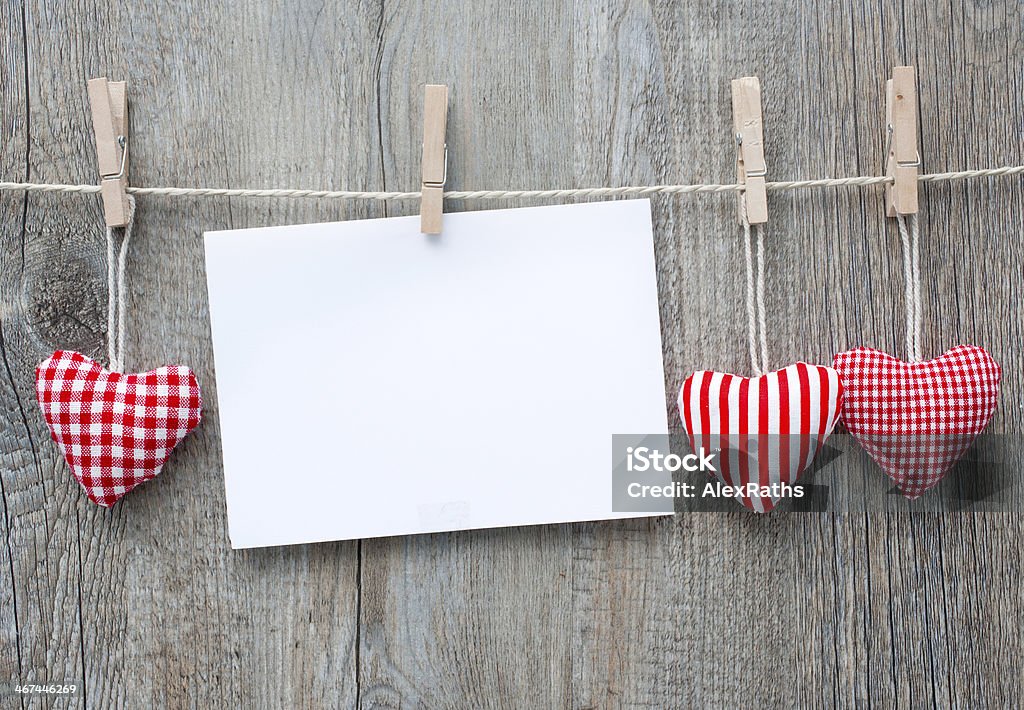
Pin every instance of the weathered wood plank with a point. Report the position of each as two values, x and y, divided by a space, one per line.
42 571
169 615
443 616
972 267
16 447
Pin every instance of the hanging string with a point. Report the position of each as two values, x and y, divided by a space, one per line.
759 231
751 308
111 302
912 283
755 295
588 192
915 242
117 291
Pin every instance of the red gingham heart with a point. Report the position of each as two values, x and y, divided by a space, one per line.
916 419
115 430
767 429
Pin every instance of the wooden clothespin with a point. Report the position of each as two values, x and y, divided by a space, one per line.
902 159
435 157
109 103
750 165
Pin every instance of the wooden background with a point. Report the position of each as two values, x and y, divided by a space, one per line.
146 602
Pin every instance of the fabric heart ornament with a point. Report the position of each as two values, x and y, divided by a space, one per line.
916 419
765 430
115 430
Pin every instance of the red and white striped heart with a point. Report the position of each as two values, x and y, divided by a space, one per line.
916 419
115 430
765 430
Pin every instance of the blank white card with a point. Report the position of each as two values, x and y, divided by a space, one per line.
374 381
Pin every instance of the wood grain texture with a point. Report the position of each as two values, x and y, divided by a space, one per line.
147 605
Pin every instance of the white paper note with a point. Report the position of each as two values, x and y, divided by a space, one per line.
375 381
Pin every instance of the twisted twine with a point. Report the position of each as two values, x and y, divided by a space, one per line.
117 292
625 191
755 295
912 283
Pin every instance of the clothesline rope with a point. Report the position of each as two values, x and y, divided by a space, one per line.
626 191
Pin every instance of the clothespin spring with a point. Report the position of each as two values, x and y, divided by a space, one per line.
889 130
444 176
122 143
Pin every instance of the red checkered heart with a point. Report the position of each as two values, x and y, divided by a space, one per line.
115 430
916 419
767 429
